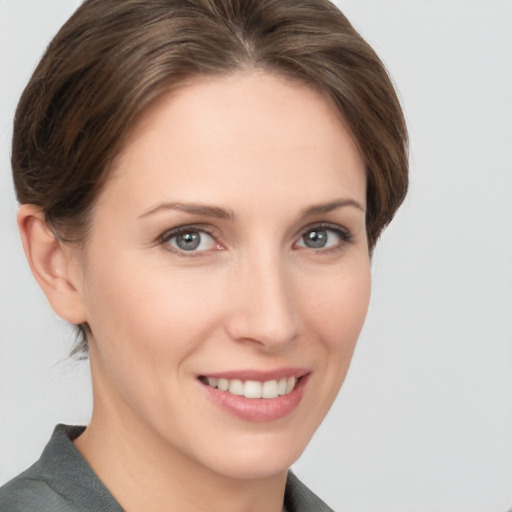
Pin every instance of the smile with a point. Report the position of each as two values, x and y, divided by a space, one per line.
252 388
257 396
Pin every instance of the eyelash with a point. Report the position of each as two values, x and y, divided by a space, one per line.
344 234
167 236
164 239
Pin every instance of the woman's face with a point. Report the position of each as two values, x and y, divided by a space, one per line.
228 250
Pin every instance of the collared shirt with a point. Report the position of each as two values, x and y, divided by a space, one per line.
62 481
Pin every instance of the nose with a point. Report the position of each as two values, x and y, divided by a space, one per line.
263 304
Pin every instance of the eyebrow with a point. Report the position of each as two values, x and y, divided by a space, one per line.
329 207
197 209
221 213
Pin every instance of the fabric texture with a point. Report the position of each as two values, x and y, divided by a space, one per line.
62 481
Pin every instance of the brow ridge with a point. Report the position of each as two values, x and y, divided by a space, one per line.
222 213
193 208
330 206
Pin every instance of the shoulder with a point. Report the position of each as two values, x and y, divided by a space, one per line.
299 498
29 492
60 481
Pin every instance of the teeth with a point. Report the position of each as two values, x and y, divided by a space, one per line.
281 386
290 384
223 384
269 389
236 387
253 388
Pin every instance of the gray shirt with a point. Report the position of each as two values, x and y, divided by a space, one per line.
62 481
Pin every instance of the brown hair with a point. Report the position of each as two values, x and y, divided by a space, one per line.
113 57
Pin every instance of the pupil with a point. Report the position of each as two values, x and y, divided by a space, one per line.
315 239
188 241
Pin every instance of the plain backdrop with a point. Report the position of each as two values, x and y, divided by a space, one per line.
424 420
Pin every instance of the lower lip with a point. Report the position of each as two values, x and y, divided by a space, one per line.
258 410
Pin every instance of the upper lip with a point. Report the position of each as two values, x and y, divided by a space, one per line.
258 375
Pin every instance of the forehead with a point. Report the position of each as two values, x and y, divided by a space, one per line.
244 129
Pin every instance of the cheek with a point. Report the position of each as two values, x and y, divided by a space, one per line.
337 310
334 317
146 324
148 308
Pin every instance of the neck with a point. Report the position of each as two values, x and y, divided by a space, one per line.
143 472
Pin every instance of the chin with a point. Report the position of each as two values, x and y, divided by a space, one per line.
255 466
255 455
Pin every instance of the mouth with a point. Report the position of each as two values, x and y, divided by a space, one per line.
256 396
253 389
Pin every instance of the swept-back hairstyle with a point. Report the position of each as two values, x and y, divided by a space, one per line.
112 58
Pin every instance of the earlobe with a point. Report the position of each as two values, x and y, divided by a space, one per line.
52 264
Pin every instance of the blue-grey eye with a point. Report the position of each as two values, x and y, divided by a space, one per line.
188 241
321 238
192 240
315 239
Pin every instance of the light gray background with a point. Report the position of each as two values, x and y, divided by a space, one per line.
424 421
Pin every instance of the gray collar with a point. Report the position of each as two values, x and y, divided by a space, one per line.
63 481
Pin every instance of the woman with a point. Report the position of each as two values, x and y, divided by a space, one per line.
201 185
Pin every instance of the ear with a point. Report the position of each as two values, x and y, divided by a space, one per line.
53 263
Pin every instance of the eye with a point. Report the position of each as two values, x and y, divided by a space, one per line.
323 237
189 240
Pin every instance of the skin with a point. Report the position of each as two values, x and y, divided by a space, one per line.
264 150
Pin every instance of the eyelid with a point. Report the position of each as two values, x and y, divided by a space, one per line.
163 239
344 233
169 234
338 228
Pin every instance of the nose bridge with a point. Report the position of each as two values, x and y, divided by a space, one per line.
264 309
